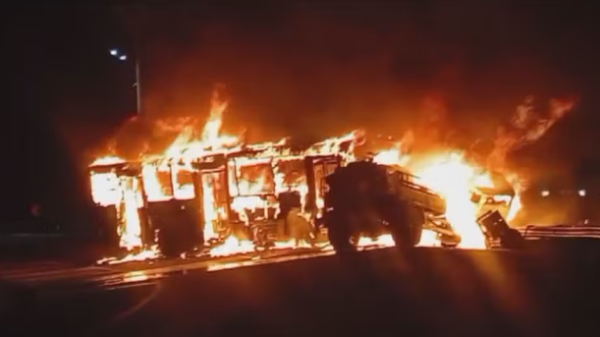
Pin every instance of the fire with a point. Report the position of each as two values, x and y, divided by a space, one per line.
123 192
252 181
520 186
249 180
108 160
210 207
232 245
147 254
105 188
453 178
515 207
130 232
393 156
245 184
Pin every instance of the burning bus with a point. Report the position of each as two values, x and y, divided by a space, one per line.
247 192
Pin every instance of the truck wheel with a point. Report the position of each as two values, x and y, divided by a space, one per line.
406 225
400 230
338 234
416 222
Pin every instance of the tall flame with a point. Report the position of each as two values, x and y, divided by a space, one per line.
449 175
130 231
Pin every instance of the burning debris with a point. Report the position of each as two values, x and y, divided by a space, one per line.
214 194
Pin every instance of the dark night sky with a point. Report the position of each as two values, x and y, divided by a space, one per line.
300 69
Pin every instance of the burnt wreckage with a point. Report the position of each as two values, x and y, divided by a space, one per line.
365 198
369 199
177 220
336 200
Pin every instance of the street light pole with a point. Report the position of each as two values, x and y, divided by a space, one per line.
138 86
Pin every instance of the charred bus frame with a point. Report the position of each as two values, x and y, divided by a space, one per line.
268 228
156 215
110 211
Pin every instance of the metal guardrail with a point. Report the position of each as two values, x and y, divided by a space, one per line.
560 231
17 235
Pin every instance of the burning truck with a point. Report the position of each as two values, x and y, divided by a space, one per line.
374 199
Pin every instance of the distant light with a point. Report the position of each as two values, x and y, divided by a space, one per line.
114 52
545 193
582 193
123 57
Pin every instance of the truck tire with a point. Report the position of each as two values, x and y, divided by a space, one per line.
338 233
406 224
397 217
401 235
416 219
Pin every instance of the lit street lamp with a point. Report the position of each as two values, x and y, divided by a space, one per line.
123 57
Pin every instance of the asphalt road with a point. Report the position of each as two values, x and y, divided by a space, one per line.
424 292
53 274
